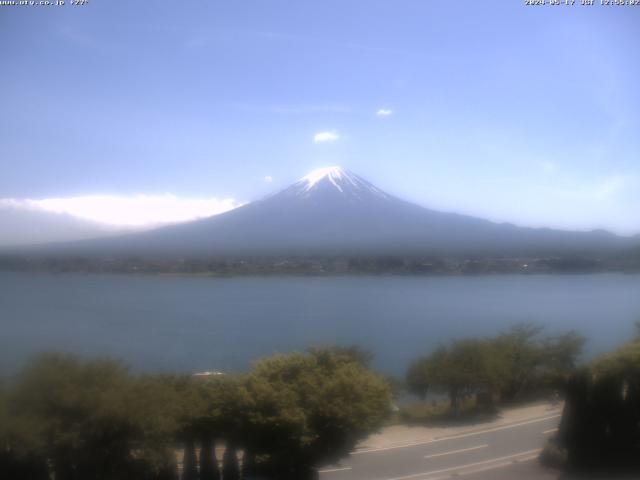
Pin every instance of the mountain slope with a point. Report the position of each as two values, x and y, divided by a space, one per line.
22 226
333 211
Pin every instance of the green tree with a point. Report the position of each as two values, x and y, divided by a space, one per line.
156 410
348 353
515 362
522 356
461 368
74 414
92 419
561 354
16 461
310 408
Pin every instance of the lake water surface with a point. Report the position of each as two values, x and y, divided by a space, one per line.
192 324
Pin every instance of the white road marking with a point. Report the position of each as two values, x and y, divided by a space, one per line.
467 465
495 466
551 430
453 437
456 451
330 470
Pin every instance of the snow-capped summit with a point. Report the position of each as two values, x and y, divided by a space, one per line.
334 180
333 174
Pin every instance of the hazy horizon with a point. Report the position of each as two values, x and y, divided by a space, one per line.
34 222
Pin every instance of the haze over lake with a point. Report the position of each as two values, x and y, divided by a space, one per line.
191 324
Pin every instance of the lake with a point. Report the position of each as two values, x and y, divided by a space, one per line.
192 324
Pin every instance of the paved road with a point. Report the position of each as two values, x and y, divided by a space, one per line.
497 452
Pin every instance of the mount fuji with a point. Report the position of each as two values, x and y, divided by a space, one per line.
332 211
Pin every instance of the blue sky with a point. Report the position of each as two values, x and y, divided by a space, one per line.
514 113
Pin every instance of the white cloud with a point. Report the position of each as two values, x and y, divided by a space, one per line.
268 178
384 112
322 137
132 211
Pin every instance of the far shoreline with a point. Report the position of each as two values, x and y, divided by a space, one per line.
327 275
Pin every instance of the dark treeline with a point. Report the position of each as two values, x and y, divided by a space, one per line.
78 419
599 434
330 265
518 364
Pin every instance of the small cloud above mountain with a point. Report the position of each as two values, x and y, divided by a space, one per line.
384 112
325 137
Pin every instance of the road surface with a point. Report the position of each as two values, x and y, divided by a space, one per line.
492 453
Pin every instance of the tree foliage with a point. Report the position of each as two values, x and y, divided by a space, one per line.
523 356
460 368
517 361
314 407
79 419
76 416
600 426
